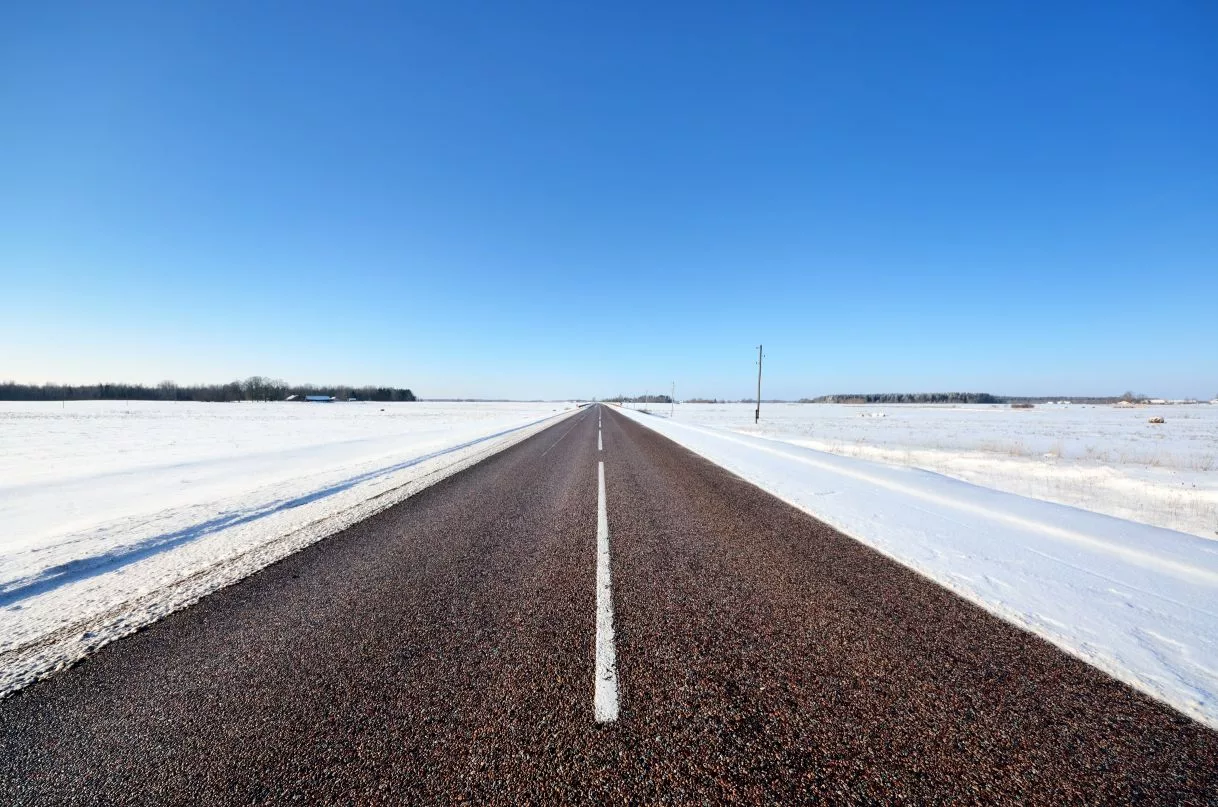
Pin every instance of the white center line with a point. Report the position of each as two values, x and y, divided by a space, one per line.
604 701
599 445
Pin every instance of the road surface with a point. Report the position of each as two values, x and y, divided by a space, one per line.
595 615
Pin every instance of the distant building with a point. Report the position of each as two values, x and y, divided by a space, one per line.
319 398
1157 401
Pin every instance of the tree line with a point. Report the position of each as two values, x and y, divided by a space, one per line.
656 399
254 388
909 397
737 400
966 397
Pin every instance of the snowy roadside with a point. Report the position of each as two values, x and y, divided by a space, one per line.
65 594
1101 458
1133 600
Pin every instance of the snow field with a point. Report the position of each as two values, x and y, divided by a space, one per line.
1101 458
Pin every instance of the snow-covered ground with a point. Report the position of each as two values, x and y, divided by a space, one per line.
1101 458
1137 601
114 514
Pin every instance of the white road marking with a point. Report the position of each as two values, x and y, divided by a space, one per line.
604 701
599 445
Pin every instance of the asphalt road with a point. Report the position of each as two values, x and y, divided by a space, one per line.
459 648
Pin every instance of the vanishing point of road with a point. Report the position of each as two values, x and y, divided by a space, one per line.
592 616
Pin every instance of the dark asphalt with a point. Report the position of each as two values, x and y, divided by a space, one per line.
442 651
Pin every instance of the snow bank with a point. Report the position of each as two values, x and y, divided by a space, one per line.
1136 601
112 516
1099 458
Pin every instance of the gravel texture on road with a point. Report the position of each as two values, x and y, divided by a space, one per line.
442 651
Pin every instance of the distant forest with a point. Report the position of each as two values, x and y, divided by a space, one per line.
656 399
254 388
910 397
957 397
738 400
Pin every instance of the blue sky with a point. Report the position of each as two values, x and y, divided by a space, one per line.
551 199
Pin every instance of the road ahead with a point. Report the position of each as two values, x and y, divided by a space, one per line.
460 647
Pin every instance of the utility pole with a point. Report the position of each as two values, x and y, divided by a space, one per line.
757 414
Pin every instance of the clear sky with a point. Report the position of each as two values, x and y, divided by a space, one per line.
545 199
